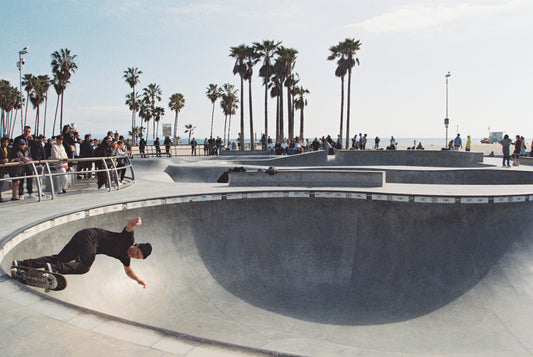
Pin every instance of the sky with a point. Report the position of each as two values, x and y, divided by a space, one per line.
398 89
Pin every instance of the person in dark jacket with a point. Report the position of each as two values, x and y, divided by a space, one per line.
103 150
142 147
86 151
20 154
68 141
4 158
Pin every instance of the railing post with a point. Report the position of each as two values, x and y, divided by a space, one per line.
51 178
37 178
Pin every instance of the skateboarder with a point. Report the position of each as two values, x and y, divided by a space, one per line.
79 253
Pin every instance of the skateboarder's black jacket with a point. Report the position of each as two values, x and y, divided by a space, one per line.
79 253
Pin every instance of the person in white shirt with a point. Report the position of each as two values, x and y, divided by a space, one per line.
59 153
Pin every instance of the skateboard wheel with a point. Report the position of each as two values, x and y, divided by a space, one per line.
45 275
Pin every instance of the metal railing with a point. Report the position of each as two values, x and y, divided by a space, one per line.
43 171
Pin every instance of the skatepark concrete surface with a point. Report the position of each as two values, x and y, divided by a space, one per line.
423 268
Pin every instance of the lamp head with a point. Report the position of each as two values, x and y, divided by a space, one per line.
23 51
448 74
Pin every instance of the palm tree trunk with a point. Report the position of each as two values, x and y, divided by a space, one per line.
252 142
266 110
277 118
153 134
61 116
342 108
133 121
302 120
229 129
281 124
225 122
55 116
289 114
212 119
348 109
241 136
176 126
26 110
45 110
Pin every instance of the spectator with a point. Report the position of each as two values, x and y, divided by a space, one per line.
376 143
193 146
121 161
68 141
457 142
104 149
4 155
468 145
167 144
516 153
86 151
506 143
142 147
59 153
20 154
26 170
157 147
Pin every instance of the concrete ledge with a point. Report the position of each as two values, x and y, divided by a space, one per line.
312 158
305 178
408 158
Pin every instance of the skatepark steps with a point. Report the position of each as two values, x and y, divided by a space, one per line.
309 178
408 158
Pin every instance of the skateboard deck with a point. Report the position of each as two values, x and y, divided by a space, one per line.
39 278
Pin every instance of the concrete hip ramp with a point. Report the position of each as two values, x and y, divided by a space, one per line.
319 275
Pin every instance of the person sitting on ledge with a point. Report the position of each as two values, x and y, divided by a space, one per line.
79 253
419 146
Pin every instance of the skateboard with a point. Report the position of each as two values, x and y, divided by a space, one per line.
39 278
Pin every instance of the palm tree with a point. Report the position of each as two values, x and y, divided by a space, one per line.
229 104
59 88
158 113
299 103
27 82
266 50
349 48
152 92
9 101
131 76
213 92
340 72
251 58
176 103
63 66
239 53
46 83
189 128
145 112
39 85
283 76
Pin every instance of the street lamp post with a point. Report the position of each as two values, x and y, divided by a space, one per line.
19 66
446 119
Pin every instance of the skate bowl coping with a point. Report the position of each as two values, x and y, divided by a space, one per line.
331 259
309 178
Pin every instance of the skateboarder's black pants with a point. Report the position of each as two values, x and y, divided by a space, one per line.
75 258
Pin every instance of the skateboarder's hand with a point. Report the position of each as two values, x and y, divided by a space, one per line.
132 223
141 283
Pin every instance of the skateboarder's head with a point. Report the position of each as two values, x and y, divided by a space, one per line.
140 250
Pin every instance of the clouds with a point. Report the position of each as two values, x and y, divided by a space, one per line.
417 17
